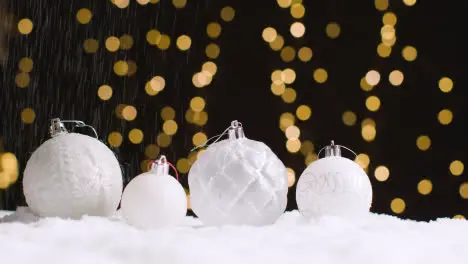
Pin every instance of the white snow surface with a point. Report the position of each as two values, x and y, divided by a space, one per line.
381 239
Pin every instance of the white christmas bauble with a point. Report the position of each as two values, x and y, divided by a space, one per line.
72 175
334 186
154 200
238 181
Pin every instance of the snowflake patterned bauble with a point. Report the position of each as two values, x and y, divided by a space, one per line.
71 175
238 181
334 185
154 199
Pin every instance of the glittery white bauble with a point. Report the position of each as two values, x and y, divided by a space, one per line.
238 181
72 175
153 200
334 186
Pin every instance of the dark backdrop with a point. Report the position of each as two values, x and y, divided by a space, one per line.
65 79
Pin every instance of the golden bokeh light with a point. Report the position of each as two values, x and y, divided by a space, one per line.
213 30
277 44
384 51
409 53
288 54
373 77
289 95
362 160
126 42
445 84
210 67
368 121
129 113
288 76
307 147
389 18
293 132
459 216
84 15
382 173
425 187
291 177
423 142
284 3
349 118
373 103
286 120
303 112
381 5
297 10
297 29
365 86
368 132
168 113
183 165
293 145
212 51
132 68
152 151
305 54
456 168
199 138
121 68
269 34
387 33
25 64
156 84
143 2
22 79
25 26
170 127
153 37
464 190
8 169
163 140
197 104
164 42
104 92
115 139
227 14
396 78
28 115
183 42
310 158
135 136
121 3
90 45
179 3
320 75
278 89
445 117
398 205
277 76
333 30
409 2
200 118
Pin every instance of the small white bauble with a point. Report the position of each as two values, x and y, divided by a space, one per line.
71 175
238 181
334 185
154 199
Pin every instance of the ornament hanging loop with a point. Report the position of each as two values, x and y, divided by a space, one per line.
235 131
161 167
333 150
57 126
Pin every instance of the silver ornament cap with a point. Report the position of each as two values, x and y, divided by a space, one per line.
235 130
160 166
56 127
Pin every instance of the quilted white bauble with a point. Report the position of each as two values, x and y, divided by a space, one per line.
238 181
154 199
334 185
71 175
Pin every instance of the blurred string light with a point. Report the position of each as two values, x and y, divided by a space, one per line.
197 114
25 26
8 169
